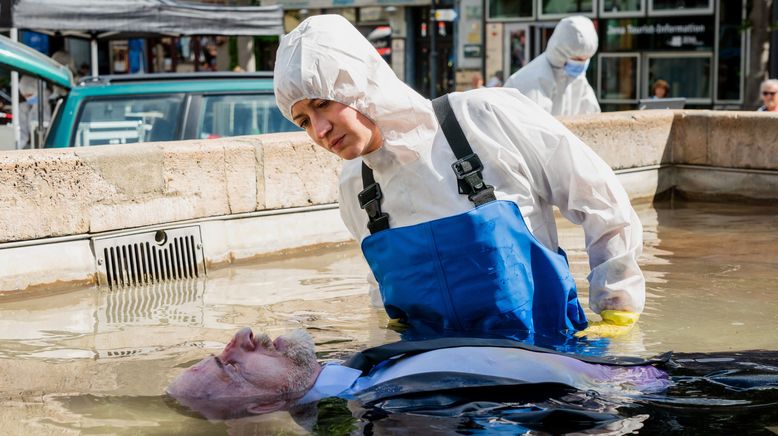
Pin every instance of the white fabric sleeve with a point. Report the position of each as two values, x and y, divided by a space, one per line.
587 192
589 104
567 173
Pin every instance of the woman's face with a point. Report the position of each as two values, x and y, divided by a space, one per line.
660 92
338 128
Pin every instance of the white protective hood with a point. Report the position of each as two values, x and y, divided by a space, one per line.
326 57
544 81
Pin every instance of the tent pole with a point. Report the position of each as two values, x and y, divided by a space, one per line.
93 49
15 98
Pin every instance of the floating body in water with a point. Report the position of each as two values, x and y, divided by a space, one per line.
451 376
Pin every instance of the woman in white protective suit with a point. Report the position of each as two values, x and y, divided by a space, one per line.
556 79
453 245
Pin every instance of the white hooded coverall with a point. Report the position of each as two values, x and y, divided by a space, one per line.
529 157
544 80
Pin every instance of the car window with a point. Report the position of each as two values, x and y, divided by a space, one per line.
129 119
245 114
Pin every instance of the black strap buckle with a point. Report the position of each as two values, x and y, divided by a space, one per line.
470 181
468 165
370 201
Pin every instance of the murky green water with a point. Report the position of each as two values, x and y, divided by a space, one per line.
95 361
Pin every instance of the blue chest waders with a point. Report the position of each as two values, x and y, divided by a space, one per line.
481 270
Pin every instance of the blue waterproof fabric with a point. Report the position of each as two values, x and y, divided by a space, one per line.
478 271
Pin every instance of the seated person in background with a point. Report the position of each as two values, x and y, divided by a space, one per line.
556 79
769 89
660 89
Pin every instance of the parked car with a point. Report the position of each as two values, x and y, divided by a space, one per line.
138 108
166 107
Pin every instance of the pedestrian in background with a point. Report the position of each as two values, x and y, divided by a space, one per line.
769 97
477 81
28 110
556 79
495 80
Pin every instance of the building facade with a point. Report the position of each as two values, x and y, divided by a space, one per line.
420 48
698 46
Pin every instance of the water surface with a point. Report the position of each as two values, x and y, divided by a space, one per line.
95 361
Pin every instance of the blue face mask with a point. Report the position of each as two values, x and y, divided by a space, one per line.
576 68
32 100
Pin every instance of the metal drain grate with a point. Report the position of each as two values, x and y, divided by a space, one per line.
149 257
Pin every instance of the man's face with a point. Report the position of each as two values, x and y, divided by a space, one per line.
770 96
252 374
338 128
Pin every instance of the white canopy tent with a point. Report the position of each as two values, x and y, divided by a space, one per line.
108 18
123 19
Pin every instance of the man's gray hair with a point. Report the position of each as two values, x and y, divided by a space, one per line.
769 82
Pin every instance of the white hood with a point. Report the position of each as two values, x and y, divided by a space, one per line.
326 57
572 37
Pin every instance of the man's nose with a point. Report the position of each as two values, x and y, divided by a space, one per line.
242 341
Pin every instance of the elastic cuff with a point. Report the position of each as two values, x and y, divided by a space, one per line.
619 317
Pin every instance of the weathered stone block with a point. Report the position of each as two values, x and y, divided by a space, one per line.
298 172
626 139
744 140
689 138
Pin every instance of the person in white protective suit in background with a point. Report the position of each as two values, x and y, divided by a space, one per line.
28 109
432 254
556 80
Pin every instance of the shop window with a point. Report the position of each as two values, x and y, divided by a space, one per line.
680 7
517 43
730 41
619 77
559 8
688 73
511 9
622 8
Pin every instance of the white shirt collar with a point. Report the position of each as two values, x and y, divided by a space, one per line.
333 379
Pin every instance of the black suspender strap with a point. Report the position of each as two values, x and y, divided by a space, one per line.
468 167
370 201
366 360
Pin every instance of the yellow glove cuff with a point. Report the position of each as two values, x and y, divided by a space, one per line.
619 317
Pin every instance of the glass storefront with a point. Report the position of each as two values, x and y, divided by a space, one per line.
622 7
564 7
620 76
697 46
511 9
730 63
689 75
682 6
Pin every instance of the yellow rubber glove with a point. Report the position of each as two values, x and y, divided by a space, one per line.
396 324
614 323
